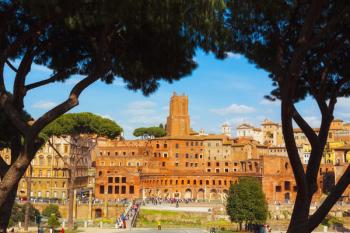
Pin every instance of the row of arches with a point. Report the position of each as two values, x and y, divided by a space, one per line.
201 194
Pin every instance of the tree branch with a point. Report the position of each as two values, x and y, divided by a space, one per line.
56 77
2 81
3 167
72 101
306 128
329 202
292 150
18 86
8 63
13 114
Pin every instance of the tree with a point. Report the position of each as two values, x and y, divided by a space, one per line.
246 202
161 126
141 42
51 209
6 133
304 46
83 130
53 221
18 213
149 132
28 179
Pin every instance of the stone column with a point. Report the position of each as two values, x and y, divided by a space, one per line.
90 205
75 204
105 211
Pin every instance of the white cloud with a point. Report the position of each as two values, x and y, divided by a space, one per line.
234 108
313 121
234 122
342 108
234 55
344 115
343 102
44 104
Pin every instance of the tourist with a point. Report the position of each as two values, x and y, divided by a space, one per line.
159 226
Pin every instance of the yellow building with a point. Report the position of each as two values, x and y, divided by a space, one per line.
48 174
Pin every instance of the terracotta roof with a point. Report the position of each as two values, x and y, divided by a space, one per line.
345 147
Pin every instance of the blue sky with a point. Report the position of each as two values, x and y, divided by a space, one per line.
219 91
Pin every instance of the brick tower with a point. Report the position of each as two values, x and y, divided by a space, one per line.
178 121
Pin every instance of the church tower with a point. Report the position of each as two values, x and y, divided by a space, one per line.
178 121
226 129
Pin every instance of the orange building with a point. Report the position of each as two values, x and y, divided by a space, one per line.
190 166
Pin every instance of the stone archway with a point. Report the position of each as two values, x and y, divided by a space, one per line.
200 194
177 194
165 193
214 195
98 213
188 194
159 193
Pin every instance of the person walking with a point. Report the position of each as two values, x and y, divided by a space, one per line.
159 226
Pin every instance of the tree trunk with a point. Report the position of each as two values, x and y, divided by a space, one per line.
71 198
12 178
6 209
300 215
29 190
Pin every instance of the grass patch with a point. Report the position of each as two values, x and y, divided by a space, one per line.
177 219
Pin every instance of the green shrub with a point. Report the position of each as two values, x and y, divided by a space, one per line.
53 221
18 213
51 209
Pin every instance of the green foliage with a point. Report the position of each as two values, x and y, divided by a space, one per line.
246 202
53 221
82 123
145 41
267 33
51 209
151 131
331 221
18 213
178 219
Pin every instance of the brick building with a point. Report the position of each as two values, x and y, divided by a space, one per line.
187 165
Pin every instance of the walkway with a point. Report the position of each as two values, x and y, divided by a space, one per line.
174 208
142 230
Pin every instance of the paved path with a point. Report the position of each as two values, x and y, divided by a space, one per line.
142 230
174 208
